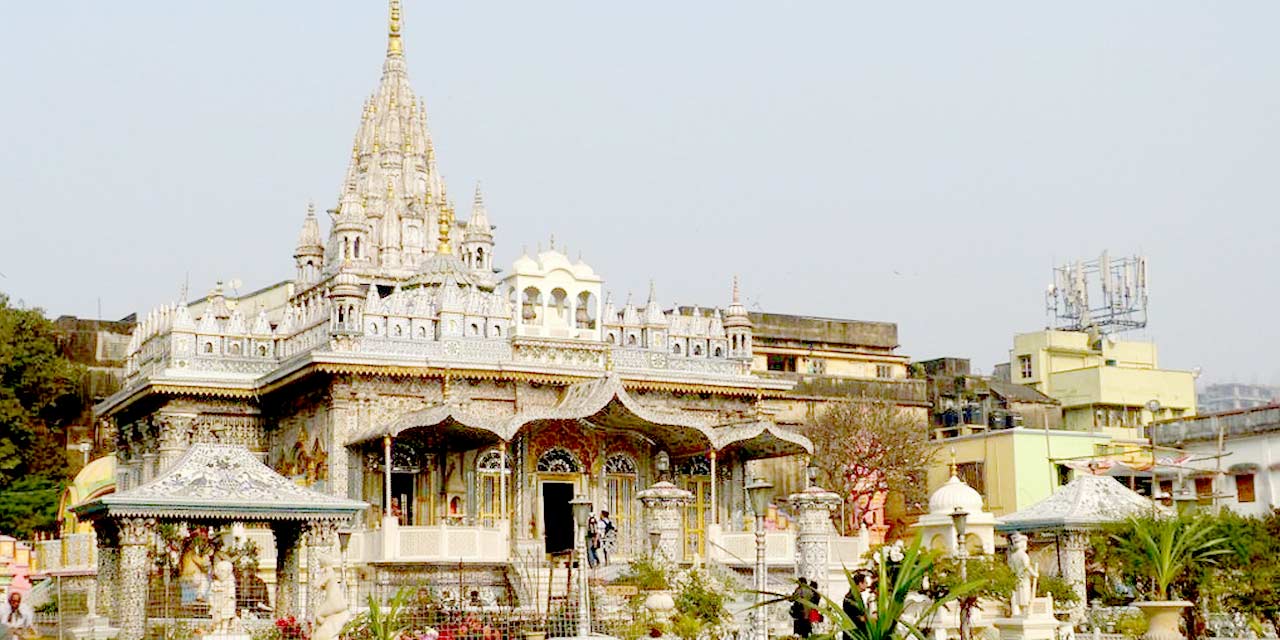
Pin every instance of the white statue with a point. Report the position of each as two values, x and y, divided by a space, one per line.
222 597
1027 575
331 614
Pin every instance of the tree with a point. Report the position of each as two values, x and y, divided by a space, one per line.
869 448
38 397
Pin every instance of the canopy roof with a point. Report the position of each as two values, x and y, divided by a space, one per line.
1086 502
603 402
224 482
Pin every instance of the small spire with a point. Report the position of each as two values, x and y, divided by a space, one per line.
478 202
736 299
952 466
393 30
653 292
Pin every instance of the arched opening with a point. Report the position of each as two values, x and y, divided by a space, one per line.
585 314
718 352
559 307
262 350
675 348
480 264
632 340
208 347
697 349
357 248
531 306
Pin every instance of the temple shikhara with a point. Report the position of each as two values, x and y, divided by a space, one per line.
445 410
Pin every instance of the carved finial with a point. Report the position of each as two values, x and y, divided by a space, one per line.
952 466
553 242
479 200
653 291
311 208
446 225
393 30
736 298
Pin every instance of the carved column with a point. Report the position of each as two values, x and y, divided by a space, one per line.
1074 544
662 503
173 438
288 575
813 508
343 421
136 536
322 536
107 581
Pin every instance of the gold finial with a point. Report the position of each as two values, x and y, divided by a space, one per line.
952 466
446 221
393 30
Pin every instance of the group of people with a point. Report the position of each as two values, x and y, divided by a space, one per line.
602 538
805 613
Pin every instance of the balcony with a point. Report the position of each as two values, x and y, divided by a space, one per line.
396 543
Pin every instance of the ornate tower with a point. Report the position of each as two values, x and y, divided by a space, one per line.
477 243
309 255
737 327
393 189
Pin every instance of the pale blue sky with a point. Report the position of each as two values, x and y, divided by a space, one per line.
922 163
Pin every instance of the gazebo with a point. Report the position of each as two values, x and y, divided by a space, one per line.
1073 511
211 484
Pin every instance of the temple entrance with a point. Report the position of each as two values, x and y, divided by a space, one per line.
557 516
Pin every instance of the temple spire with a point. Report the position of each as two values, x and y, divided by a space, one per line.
393 30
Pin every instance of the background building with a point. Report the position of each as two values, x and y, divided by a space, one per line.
1233 461
1231 396
1105 384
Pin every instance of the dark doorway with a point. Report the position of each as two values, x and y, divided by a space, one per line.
557 516
402 493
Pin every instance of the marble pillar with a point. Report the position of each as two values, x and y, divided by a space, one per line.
1074 545
136 536
662 504
321 538
108 540
288 537
813 508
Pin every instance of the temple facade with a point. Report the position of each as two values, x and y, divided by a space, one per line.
464 409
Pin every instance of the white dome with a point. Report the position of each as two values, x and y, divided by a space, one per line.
955 493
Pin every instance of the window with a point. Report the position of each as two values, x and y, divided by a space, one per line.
781 363
1204 490
884 371
1244 488
972 474
1024 365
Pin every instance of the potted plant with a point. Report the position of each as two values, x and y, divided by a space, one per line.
1164 549
650 577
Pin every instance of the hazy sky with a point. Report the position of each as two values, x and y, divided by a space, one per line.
921 163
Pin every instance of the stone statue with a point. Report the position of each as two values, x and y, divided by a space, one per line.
222 597
331 614
1027 575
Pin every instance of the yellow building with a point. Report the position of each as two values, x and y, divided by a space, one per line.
1013 468
1105 385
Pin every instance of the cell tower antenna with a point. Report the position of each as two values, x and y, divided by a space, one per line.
1104 296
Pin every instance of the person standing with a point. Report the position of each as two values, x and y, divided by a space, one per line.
609 534
593 542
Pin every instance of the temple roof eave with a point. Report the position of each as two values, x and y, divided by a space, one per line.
218 481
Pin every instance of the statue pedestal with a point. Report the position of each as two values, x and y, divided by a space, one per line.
95 628
1029 628
1037 624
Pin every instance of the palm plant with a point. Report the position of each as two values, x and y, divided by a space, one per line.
1167 547
379 623
887 616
